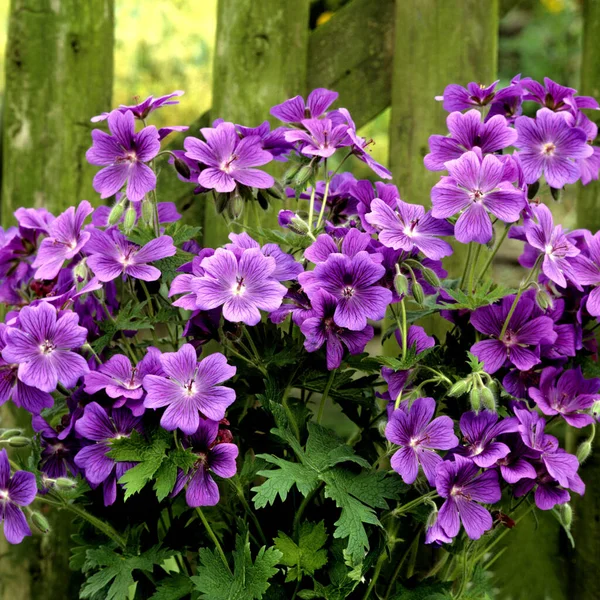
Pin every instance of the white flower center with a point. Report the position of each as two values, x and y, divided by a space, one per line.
47 347
238 288
190 388
548 149
4 496
413 442
548 249
477 450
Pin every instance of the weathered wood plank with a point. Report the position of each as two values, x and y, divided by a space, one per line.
260 60
352 54
59 70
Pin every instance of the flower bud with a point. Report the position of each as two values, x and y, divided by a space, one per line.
431 518
417 292
532 190
64 483
263 199
566 515
19 441
116 212
293 222
595 410
460 388
40 522
221 201
430 276
235 207
400 284
492 241
291 173
80 271
277 191
130 219
487 399
543 299
147 212
182 167
7 434
475 399
556 193
584 451
303 176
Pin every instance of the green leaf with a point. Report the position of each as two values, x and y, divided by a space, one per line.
168 266
249 580
174 588
308 555
324 449
166 475
486 293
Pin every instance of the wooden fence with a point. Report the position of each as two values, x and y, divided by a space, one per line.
375 53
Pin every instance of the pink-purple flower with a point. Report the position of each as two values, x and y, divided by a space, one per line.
295 110
190 389
144 108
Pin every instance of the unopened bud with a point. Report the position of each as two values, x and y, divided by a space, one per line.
40 522
80 271
19 441
543 299
556 193
298 226
460 388
303 176
221 202
277 191
182 167
475 399
291 173
401 284
10 433
566 515
584 451
130 219
116 212
532 190
147 212
430 276
487 399
417 292
431 518
235 207
595 410
492 241
263 199
64 483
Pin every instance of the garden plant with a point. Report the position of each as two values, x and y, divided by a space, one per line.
178 393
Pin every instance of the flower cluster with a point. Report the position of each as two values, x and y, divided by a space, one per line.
155 368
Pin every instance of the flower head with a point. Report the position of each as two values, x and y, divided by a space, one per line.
320 137
556 97
295 110
123 155
189 388
412 428
143 109
459 98
228 159
586 271
16 491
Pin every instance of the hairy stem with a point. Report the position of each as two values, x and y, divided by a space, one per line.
213 537
326 394
492 255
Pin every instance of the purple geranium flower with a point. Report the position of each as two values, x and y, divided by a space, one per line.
42 344
58 451
353 282
549 145
479 433
112 255
319 328
476 187
215 456
411 428
242 286
417 338
566 393
365 194
16 491
467 132
298 306
28 397
517 464
123 155
320 137
143 109
459 98
229 160
459 482
408 227
65 240
520 342
189 389
556 97
295 110
553 243
586 271
97 426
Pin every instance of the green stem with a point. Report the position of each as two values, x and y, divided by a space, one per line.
247 360
213 537
311 208
240 494
399 566
148 298
99 524
305 502
326 394
404 328
467 265
490 259
323 204
406 507
472 271
252 345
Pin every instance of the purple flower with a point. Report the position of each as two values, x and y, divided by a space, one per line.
189 389
548 492
520 342
319 328
97 426
365 194
143 109
553 244
16 491
167 213
58 451
586 271
242 286
123 155
566 393
353 242
320 137
229 160
417 338
555 96
476 187
459 98
409 227
353 282
298 306
508 101
42 345
215 456
479 432
112 255
517 464
419 437
122 382
273 141
462 486
467 132
549 145
65 240
25 396
295 110
185 283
